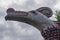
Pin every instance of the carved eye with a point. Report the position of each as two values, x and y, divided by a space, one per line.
34 12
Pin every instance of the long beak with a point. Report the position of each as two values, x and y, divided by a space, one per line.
15 15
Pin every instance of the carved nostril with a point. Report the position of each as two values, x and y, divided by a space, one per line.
9 10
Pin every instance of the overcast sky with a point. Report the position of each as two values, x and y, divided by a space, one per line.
12 30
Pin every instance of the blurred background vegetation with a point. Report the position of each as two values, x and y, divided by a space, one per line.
57 15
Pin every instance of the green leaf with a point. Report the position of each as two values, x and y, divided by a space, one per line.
57 15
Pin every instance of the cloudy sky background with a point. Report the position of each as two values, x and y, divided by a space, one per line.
12 30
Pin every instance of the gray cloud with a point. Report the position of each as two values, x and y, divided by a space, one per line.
34 4
15 33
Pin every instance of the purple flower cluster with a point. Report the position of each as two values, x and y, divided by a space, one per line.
51 33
